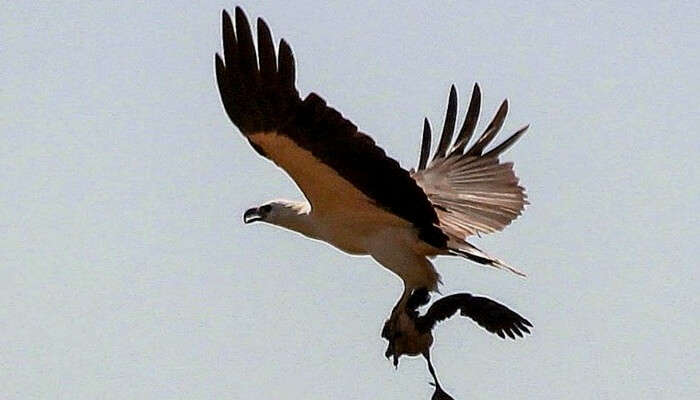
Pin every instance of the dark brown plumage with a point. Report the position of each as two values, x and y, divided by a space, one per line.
259 95
411 334
355 192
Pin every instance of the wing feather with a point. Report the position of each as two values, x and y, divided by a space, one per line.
425 145
472 190
448 126
266 48
261 99
489 314
490 132
470 121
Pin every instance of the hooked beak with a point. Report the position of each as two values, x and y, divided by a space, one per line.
252 215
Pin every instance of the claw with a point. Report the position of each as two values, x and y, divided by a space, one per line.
440 394
389 351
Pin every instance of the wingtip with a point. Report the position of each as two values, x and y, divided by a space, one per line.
283 43
264 31
241 18
226 18
285 50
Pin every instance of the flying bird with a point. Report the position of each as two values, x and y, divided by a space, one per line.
357 198
411 333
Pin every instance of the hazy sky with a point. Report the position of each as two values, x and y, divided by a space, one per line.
126 271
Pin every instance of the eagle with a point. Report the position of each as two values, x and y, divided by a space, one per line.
357 198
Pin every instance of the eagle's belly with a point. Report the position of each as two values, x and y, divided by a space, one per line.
395 246
347 236
357 236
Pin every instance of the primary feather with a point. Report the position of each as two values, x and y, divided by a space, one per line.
490 315
473 192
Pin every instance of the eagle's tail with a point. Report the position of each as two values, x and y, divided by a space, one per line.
467 250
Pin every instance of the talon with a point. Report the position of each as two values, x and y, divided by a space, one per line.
418 298
389 352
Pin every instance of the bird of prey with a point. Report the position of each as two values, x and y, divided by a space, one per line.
358 199
414 334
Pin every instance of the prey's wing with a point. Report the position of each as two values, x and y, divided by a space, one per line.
490 315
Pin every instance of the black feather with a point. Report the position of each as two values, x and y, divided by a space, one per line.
489 314
448 127
425 145
248 60
496 151
259 95
490 131
266 48
470 121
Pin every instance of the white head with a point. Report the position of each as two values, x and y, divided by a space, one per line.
286 213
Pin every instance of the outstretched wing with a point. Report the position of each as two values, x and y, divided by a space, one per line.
472 190
340 170
490 315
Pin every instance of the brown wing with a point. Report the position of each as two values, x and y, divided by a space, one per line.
336 166
490 315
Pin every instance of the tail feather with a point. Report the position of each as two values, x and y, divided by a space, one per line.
471 252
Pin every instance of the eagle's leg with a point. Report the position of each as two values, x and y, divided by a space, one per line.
439 394
417 299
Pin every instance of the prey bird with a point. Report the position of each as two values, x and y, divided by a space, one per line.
357 198
411 333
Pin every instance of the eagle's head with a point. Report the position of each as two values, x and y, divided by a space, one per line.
276 212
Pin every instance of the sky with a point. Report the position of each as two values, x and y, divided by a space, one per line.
126 270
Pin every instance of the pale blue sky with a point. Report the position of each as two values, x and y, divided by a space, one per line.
127 273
